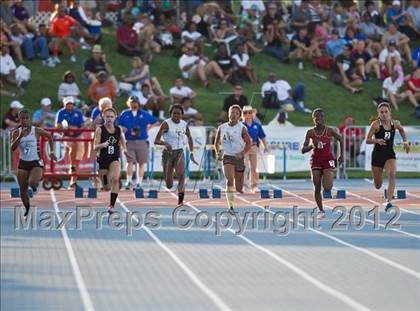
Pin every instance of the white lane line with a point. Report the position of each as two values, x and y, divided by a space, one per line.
193 277
314 281
360 249
87 302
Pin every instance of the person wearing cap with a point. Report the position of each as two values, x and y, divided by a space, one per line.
389 57
401 41
68 87
335 45
395 14
101 88
71 117
10 119
135 122
44 117
257 135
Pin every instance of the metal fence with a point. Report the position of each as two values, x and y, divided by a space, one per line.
6 170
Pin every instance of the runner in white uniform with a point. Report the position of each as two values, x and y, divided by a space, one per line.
175 134
235 142
26 137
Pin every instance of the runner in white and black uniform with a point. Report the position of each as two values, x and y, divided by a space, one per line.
26 137
175 131
382 133
109 141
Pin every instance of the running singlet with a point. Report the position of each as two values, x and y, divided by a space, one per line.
321 157
28 146
231 138
112 152
388 136
176 134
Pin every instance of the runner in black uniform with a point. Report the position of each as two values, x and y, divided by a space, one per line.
109 141
383 155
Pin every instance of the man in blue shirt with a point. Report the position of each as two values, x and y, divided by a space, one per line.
335 46
44 117
96 115
256 132
135 122
72 118
416 58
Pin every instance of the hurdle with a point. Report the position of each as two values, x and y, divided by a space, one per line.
401 194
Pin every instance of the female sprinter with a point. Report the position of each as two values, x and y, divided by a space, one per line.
383 155
322 160
26 136
174 130
108 140
233 137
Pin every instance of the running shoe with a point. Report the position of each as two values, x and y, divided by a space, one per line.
388 206
321 214
128 186
231 210
26 212
110 210
34 191
180 204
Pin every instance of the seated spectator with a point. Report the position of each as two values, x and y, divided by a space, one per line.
44 117
390 91
96 116
275 13
401 40
39 45
243 64
373 12
416 58
22 15
224 30
8 17
102 88
95 64
249 29
191 115
285 95
10 119
91 27
301 47
68 87
129 8
343 72
225 63
335 45
352 35
7 66
363 62
192 65
280 120
370 29
174 29
237 98
413 87
318 32
413 14
140 74
6 39
388 58
146 32
274 38
340 19
61 30
301 16
192 37
402 20
155 105
179 92
317 11
127 38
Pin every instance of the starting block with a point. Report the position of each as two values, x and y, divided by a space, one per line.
153 194
265 194
15 193
216 193
401 194
78 192
139 193
327 194
341 194
277 194
92 193
203 194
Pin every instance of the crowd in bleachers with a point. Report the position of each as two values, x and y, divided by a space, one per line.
356 40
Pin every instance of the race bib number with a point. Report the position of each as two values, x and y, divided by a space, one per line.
111 149
387 136
320 145
332 163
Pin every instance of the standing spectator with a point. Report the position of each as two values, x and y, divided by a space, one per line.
335 45
135 122
284 93
243 65
363 62
344 74
10 119
225 63
68 87
237 98
301 47
401 40
44 117
102 88
179 91
71 117
192 65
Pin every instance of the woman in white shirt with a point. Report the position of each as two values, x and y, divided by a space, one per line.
175 133
191 35
68 87
243 66
232 137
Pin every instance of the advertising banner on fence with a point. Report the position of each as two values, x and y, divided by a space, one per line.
405 162
292 138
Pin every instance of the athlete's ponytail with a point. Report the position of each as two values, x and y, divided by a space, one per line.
372 119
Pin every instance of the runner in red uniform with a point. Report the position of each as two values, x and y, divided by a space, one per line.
322 160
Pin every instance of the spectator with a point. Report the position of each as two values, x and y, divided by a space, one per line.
39 45
243 65
369 29
363 62
192 65
6 39
335 45
127 38
61 31
316 11
373 12
340 19
91 27
318 32
352 35
413 13
7 16
102 88
237 98
8 67
10 119
301 16
44 117
225 63
192 37
258 4
285 95
96 116
402 20
301 47
274 39
343 72
389 57
135 122
353 138
249 29
146 32
401 40
72 118
179 92
155 105
191 115
416 58
129 8
390 93
280 120
68 87
413 87
225 33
